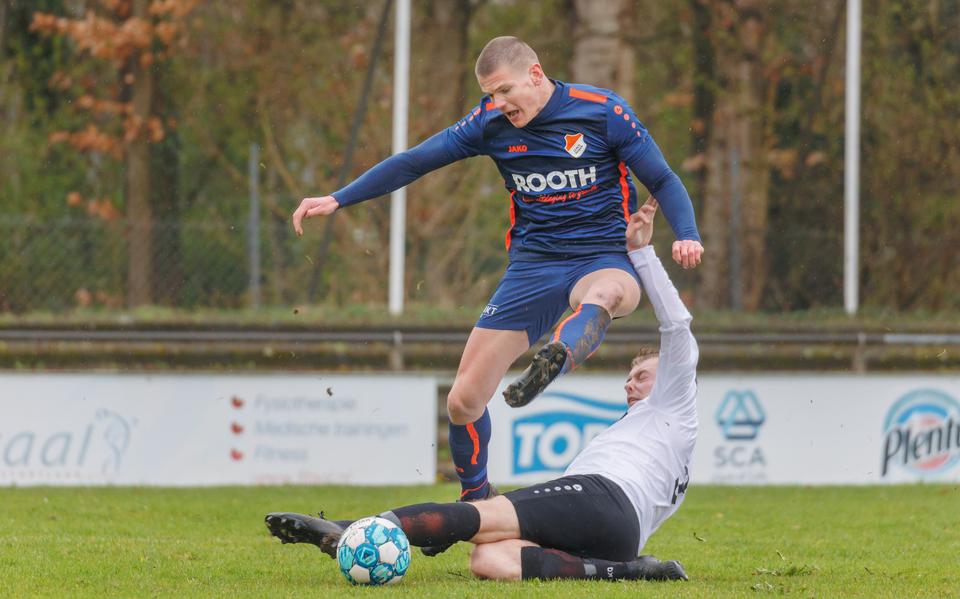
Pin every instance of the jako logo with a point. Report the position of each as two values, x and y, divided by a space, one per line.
556 180
550 440
515 149
740 416
922 433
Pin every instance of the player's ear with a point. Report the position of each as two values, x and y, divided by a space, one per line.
536 73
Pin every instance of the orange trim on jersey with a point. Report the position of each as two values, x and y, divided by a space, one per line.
472 431
513 219
588 96
489 106
624 191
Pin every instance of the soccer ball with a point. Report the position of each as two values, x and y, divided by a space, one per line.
373 551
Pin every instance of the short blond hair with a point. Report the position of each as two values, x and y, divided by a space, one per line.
505 50
645 353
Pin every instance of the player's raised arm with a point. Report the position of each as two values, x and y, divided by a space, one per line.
633 144
459 141
675 385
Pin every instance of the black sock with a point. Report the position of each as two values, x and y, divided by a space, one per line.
537 562
431 524
343 523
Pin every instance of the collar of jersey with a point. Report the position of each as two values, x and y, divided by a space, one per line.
552 104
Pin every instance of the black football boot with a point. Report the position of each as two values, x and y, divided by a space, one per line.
301 528
546 366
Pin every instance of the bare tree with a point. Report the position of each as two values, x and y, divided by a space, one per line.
737 176
601 56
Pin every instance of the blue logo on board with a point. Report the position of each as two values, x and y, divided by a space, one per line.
548 441
740 416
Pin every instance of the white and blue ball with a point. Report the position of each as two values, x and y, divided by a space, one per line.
373 551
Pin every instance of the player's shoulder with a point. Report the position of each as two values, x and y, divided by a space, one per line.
582 92
480 117
487 112
602 100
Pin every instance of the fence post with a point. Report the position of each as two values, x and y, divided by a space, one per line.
736 232
253 226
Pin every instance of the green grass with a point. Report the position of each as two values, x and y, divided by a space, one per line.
899 541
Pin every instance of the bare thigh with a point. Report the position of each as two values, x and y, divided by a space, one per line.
614 289
498 521
488 355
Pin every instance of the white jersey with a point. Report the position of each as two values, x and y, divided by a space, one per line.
649 450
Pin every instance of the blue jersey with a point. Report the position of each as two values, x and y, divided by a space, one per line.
566 172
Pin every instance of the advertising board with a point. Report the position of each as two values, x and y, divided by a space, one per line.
757 429
204 429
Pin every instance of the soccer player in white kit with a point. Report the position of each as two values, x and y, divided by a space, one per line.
594 520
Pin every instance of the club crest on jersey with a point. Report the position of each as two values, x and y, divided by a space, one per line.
574 144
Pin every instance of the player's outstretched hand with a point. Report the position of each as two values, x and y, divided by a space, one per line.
687 253
313 207
640 226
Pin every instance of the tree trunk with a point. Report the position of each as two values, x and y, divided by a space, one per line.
601 57
139 219
737 176
166 206
445 25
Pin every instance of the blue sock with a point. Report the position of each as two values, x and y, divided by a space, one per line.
468 445
582 333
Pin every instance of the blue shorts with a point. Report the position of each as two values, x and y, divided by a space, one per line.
532 296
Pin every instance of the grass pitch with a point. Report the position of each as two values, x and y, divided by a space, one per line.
807 542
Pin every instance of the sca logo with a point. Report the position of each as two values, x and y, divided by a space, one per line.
740 416
922 433
548 441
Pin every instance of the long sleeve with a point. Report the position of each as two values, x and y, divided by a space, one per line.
634 145
676 386
454 143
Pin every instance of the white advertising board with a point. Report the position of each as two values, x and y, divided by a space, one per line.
757 429
187 429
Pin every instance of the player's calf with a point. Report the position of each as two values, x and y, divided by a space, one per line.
575 340
546 564
435 550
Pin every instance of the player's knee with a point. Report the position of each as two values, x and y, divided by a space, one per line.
462 409
479 562
608 294
489 560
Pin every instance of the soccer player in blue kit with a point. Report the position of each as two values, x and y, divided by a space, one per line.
564 151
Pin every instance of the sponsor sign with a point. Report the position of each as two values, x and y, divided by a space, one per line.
537 442
922 433
756 429
96 429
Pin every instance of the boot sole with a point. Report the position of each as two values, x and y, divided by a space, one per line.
544 368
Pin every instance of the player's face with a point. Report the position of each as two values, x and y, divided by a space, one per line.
640 382
515 92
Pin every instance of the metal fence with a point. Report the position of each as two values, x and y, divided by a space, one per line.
59 265
63 264
68 263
